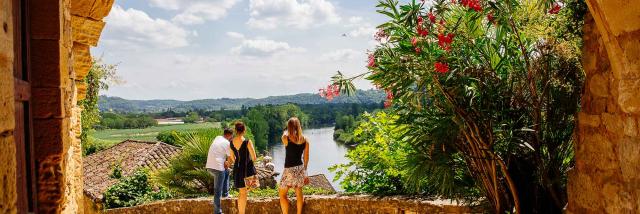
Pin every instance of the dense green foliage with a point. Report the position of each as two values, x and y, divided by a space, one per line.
323 115
384 160
133 190
117 104
486 88
125 121
191 117
268 122
345 125
98 78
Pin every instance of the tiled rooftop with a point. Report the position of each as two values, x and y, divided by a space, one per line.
130 155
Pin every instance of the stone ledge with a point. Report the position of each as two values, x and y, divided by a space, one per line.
313 204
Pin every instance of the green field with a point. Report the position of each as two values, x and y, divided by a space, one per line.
146 134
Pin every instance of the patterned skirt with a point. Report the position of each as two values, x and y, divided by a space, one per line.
293 177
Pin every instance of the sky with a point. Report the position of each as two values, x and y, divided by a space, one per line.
200 49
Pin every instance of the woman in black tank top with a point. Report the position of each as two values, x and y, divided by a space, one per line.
243 155
295 165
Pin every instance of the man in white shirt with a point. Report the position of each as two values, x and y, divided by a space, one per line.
217 164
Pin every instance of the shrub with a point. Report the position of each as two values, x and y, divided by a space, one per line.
133 190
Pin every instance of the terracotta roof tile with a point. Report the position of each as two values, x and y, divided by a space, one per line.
131 155
321 182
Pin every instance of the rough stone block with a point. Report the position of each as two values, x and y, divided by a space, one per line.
7 175
596 152
45 73
585 119
629 156
6 101
100 9
86 31
583 192
599 85
48 136
82 60
616 199
614 123
629 99
47 103
630 127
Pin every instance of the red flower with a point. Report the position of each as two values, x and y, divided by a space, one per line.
472 4
441 67
555 9
389 95
445 41
414 41
432 18
380 35
372 61
423 32
418 50
387 104
491 18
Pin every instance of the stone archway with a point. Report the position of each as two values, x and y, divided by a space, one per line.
606 178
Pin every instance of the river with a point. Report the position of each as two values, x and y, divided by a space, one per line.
324 152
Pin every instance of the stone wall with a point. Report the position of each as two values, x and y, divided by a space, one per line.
60 34
313 205
606 178
7 146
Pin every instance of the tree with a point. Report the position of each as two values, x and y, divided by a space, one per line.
496 83
133 190
192 117
259 127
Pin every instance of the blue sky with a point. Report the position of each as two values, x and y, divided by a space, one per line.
196 49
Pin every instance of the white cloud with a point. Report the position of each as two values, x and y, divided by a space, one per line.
263 47
137 27
197 12
166 4
365 30
301 14
355 19
341 55
235 35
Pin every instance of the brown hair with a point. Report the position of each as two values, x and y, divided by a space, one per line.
294 129
239 127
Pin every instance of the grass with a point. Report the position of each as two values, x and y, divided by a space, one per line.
112 136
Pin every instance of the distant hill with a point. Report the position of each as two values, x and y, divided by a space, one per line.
123 105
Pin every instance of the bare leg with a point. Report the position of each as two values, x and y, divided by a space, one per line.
284 201
299 199
242 200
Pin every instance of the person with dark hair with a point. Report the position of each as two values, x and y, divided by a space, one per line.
243 156
217 165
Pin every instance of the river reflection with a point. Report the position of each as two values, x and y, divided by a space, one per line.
323 153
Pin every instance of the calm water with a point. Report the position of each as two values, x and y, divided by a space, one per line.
323 153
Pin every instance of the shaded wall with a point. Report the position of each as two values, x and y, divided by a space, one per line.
606 178
313 205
